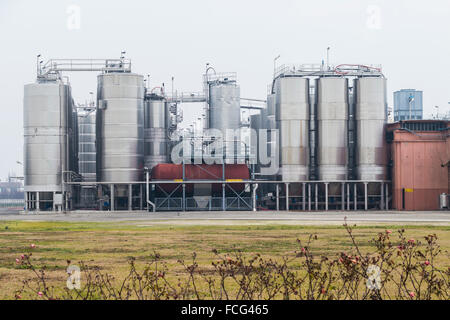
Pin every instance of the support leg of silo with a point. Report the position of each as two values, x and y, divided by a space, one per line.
287 196
278 196
26 201
348 196
38 205
343 196
382 196
316 195
141 202
355 196
130 197
223 198
326 196
54 205
387 196
100 197
309 197
254 187
304 196
365 196
183 204
112 199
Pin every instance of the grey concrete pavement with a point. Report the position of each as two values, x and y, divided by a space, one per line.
244 217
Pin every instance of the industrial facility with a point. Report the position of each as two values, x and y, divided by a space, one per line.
320 141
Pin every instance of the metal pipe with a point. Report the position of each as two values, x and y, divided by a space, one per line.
255 187
147 191
343 196
223 197
382 196
355 196
326 196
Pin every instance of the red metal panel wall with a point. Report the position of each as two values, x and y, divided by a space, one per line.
418 174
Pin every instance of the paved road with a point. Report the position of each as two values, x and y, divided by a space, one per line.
241 217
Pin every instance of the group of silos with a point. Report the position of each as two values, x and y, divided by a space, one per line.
110 145
328 130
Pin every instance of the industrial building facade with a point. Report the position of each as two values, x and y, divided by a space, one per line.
420 154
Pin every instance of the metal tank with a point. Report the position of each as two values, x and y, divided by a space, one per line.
371 118
225 114
120 127
48 150
292 116
169 171
157 121
332 122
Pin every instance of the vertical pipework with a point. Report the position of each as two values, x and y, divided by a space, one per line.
351 134
312 134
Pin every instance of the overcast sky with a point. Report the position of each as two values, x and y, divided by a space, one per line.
409 38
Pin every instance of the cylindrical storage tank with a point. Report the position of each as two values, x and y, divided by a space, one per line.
155 132
292 116
86 144
47 118
225 113
371 117
332 122
120 127
173 172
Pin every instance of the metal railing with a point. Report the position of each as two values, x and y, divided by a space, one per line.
102 65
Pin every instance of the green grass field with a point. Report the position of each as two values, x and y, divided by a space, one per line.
110 245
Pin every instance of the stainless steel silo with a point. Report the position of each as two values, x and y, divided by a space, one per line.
292 116
157 119
47 153
332 121
120 127
371 117
225 114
